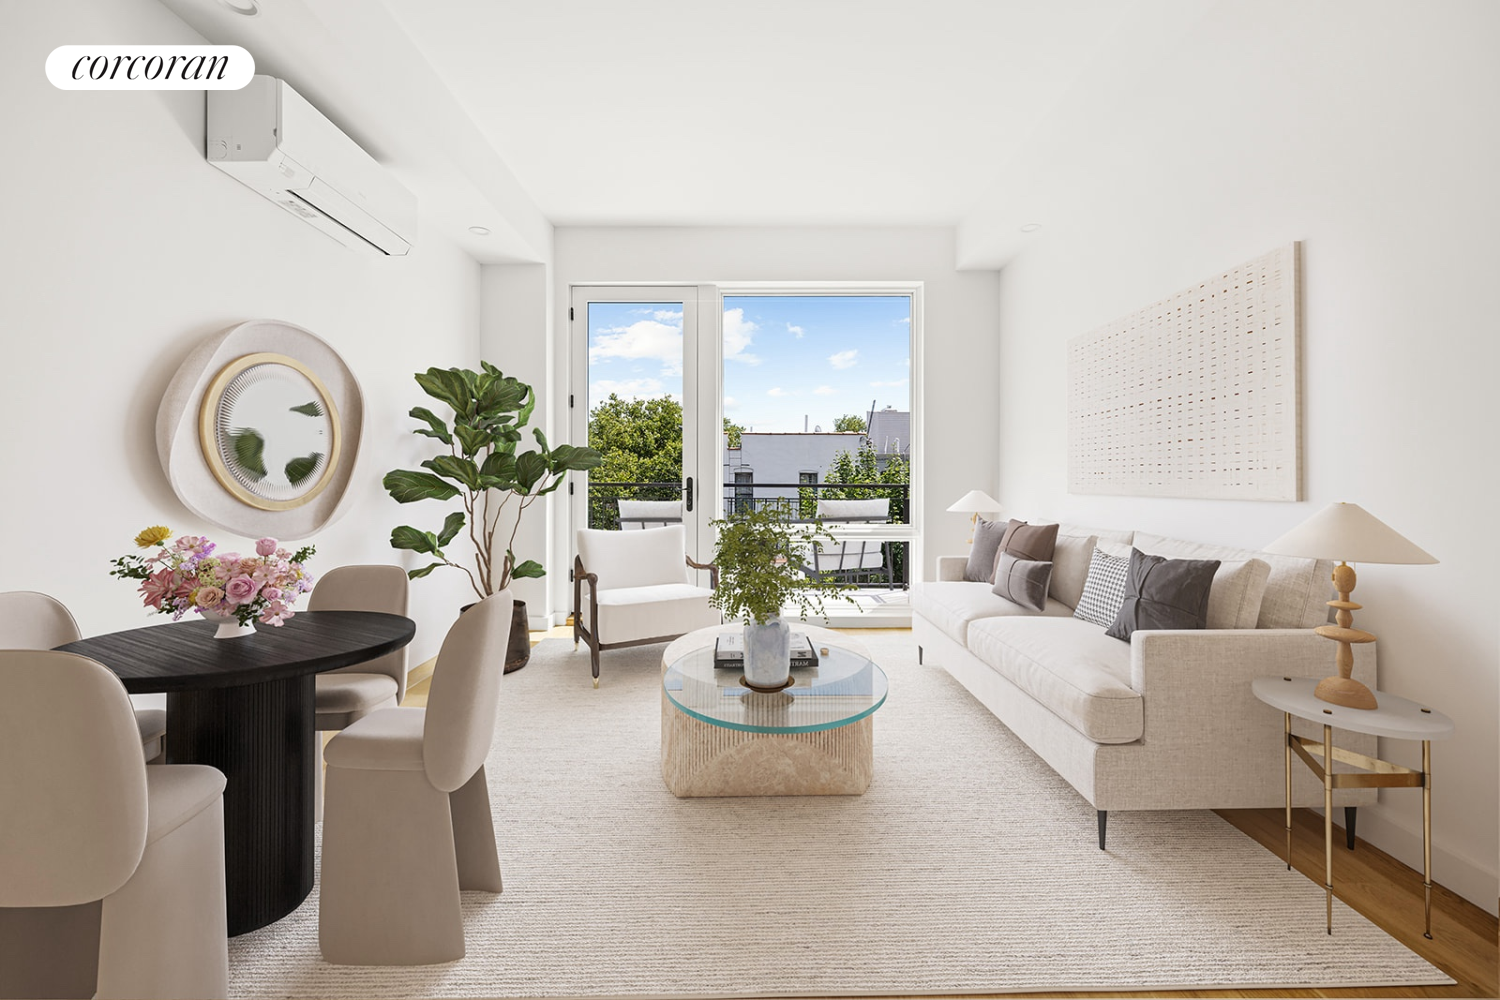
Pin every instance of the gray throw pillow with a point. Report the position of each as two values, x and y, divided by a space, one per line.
1104 590
1022 581
1163 593
987 536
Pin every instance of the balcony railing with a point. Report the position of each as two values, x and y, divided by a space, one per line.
799 502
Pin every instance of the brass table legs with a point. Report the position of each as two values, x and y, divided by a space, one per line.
1319 756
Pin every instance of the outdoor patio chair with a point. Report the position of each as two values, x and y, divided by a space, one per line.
852 560
649 513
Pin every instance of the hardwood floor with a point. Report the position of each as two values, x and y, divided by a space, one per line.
1466 940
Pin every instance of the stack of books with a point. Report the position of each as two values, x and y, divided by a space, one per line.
729 651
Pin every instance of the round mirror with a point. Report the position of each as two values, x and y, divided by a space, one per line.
270 431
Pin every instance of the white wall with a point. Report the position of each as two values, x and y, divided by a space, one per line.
515 315
960 311
1370 134
122 249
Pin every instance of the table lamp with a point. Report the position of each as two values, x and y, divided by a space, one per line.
1346 532
975 502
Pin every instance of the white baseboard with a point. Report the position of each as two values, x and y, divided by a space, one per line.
1472 880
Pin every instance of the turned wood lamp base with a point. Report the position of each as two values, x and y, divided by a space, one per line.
1342 689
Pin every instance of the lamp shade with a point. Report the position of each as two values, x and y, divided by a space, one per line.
1348 533
976 502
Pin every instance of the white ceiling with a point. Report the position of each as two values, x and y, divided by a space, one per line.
685 112
518 115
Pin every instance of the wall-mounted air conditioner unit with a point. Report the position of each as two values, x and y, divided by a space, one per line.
271 140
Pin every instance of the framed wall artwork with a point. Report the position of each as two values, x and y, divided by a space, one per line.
1198 395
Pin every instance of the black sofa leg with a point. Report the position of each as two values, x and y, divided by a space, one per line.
919 656
1103 818
1350 814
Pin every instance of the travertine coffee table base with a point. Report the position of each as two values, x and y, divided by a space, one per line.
699 760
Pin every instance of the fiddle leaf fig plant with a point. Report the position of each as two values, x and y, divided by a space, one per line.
484 469
760 558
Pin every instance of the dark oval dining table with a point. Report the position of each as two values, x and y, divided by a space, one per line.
245 705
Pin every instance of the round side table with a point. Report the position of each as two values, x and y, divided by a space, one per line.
1396 718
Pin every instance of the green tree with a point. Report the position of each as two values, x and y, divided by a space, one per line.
850 422
641 441
732 432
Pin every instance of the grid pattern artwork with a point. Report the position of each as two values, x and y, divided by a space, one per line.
1198 395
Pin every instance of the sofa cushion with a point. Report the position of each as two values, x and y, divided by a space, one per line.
1069 666
1162 593
1070 567
1022 581
952 605
987 537
1104 591
1115 541
1033 542
1294 593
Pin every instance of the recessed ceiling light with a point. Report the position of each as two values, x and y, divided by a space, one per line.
249 8
479 231
1031 227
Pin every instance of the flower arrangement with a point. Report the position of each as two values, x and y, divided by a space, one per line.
187 575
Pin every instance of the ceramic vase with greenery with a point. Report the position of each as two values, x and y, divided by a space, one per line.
760 556
483 467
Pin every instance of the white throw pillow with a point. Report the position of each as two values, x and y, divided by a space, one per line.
1104 591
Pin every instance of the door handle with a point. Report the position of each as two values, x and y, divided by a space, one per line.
690 493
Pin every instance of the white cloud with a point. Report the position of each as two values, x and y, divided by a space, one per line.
903 321
777 391
645 338
730 403
668 316
738 334
825 390
795 331
844 359
633 388
888 385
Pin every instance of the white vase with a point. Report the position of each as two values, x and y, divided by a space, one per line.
768 653
229 626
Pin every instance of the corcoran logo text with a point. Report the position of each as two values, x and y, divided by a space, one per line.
150 67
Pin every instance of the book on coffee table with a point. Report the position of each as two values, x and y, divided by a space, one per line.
729 651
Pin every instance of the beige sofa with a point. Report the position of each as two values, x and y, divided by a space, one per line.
1167 720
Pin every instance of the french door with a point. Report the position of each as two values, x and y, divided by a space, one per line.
644 392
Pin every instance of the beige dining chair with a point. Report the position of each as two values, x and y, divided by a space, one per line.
29 620
110 871
407 820
344 696
348 694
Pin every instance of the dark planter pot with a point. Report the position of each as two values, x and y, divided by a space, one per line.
518 650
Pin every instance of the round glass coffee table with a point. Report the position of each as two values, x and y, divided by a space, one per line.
816 737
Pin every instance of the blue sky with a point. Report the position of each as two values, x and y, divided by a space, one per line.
785 357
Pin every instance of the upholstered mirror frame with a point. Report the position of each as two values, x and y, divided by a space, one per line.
188 449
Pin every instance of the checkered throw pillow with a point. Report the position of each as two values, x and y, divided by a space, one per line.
1104 591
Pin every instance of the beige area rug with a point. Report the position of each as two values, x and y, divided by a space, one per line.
967 867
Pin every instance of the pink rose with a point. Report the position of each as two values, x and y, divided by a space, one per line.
241 590
271 593
209 596
265 547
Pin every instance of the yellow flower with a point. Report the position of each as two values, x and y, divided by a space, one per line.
154 535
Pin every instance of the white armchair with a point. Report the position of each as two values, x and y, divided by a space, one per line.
639 591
